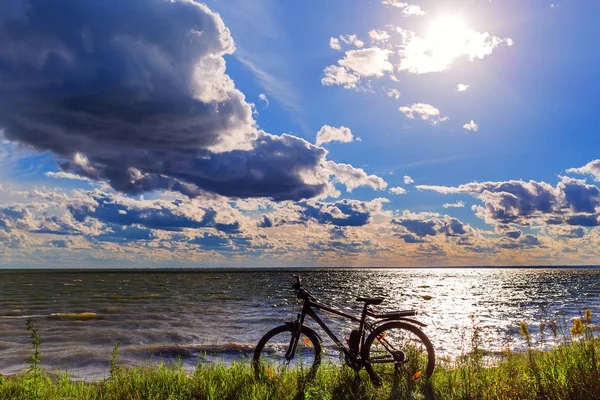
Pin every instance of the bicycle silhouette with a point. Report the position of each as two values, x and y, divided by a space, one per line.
384 344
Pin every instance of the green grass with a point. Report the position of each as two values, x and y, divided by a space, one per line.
567 371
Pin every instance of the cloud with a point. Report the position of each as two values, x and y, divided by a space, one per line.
514 234
573 233
461 87
378 36
408 180
352 39
425 111
447 40
115 101
336 75
393 93
471 126
330 134
407 9
592 168
334 43
458 204
371 61
157 214
117 64
343 213
264 98
353 177
397 190
65 175
527 241
571 202
431 224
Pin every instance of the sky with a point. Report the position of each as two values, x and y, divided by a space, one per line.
154 133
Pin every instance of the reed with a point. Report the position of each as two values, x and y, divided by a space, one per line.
570 370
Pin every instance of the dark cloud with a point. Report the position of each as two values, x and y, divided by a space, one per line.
418 227
572 201
341 213
527 241
266 222
164 216
514 234
16 217
574 233
583 220
60 243
581 197
408 238
211 242
423 225
135 93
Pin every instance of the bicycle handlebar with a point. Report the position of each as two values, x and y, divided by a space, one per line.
300 292
298 284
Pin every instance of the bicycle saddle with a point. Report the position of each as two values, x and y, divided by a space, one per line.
371 300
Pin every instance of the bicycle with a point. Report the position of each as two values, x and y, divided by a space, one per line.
387 343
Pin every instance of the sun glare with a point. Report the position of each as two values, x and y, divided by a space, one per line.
447 37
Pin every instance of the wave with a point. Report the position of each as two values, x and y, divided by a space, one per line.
134 297
22 316
76 316
192 350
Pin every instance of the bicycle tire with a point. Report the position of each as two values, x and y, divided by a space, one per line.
260 361
416 366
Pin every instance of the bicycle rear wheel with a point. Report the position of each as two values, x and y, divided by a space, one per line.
269 354
399 350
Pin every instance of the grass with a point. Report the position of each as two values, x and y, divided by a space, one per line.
570 370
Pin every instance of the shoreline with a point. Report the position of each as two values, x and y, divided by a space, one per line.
568 371
252 269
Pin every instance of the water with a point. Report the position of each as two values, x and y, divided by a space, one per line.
205 316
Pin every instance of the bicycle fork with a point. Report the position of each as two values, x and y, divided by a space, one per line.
291 351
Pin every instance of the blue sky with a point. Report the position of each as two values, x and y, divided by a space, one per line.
380 133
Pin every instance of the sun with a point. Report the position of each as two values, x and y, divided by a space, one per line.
447 37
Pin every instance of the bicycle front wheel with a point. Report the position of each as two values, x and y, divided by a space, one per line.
270 353
399 350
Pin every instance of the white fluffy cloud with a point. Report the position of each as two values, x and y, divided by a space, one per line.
425 111
393 93
407 9
330 134
263 97
334 43
352 177
371 61
408 180
336 75
461 87
592 168
458 204
471 126
352 39
378 36
445 41
65 175
397 190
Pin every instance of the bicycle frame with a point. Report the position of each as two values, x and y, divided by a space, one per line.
308 309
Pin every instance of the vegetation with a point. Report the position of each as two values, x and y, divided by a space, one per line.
570 370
